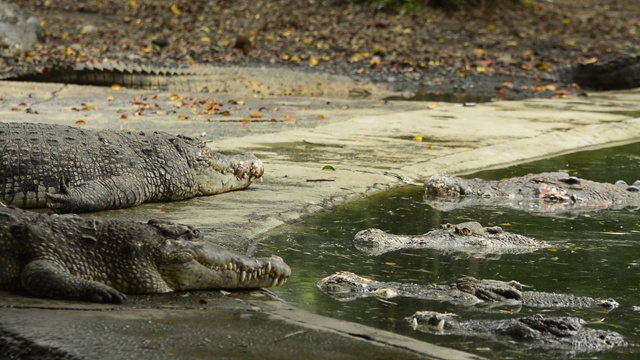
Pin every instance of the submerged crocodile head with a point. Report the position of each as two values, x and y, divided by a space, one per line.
216 173
345 286
447 185
541 331
190 263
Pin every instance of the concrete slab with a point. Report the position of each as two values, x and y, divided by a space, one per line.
370 144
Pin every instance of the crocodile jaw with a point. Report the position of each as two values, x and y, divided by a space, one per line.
213 267
222 173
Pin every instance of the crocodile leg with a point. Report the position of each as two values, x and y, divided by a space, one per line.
109 193
45 278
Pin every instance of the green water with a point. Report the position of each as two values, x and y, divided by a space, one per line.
595 254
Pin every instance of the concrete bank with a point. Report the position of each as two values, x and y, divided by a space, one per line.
372 146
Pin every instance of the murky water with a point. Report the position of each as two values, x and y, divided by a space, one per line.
595 254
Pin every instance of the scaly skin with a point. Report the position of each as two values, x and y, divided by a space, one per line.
542 331
468 291
76 170
469 237
68 257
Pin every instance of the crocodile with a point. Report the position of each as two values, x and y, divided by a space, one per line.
540 331
618 74
470 237
71 169
468 291
247 80
545 192
66 256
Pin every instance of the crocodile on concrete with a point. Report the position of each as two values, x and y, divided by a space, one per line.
618 74
92 259
468 291
551 191
77 170
539 331
469 237
622 73
249 80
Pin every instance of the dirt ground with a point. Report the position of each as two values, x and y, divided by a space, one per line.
336 36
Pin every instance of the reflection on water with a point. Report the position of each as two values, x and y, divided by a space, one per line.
595 254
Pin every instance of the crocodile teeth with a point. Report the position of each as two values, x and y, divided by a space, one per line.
268 270
441 324
414 323
243 276
274 282
282 281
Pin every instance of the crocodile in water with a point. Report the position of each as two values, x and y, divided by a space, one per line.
540 331
546 192
470 237
467 291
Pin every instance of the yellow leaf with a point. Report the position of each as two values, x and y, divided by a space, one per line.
313 61
505 224
390 263
132 3
320 117
80 122
110 98
432 106
205 39
491 27
418 138
175 9
255 115
182 116
552 250
512 42
116 87
481 69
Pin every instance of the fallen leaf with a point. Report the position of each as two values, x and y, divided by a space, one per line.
320 117
255 115
418 138
116 87
80 122
328 168
175 9
432 106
